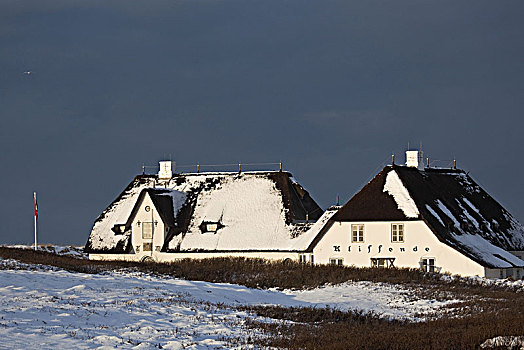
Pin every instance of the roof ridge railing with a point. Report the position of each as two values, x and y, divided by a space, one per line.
198 166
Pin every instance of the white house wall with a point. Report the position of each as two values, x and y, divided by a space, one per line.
168 257
136 234
419 242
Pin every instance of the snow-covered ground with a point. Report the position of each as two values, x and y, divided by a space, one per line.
51 308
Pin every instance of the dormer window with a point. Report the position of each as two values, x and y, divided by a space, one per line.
210 226
119 229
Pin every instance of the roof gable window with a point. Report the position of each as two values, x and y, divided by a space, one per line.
210 226
147 230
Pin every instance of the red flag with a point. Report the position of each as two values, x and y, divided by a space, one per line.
36 207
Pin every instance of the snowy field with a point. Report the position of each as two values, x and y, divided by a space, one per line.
52 308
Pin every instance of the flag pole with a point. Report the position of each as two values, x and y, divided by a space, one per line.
35 216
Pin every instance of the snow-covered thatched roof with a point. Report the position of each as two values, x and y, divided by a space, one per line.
459 212
254 211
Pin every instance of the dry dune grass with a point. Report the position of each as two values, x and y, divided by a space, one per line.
484 312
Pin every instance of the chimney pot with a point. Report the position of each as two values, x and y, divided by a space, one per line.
166 170
415 159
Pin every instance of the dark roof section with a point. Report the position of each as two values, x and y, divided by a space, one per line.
371 203
163 203
476 212
296 199
456 189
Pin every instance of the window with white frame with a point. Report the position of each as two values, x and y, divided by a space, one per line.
336 261
357 233
428 264
397 233
147 230
212 227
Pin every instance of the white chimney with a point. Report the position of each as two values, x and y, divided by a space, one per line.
415 159
166 170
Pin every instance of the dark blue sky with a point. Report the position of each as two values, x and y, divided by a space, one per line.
331 88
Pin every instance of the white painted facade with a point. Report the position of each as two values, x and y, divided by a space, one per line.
168 257
147 229
418 243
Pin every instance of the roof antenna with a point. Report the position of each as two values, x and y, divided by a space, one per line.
408 145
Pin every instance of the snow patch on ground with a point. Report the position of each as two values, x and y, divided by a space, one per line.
52 308
388 300
511 342
400 194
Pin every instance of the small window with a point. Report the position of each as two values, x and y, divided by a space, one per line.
336 261
357 233
428 264
302 258
147 230
397 233
148 247
211 227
